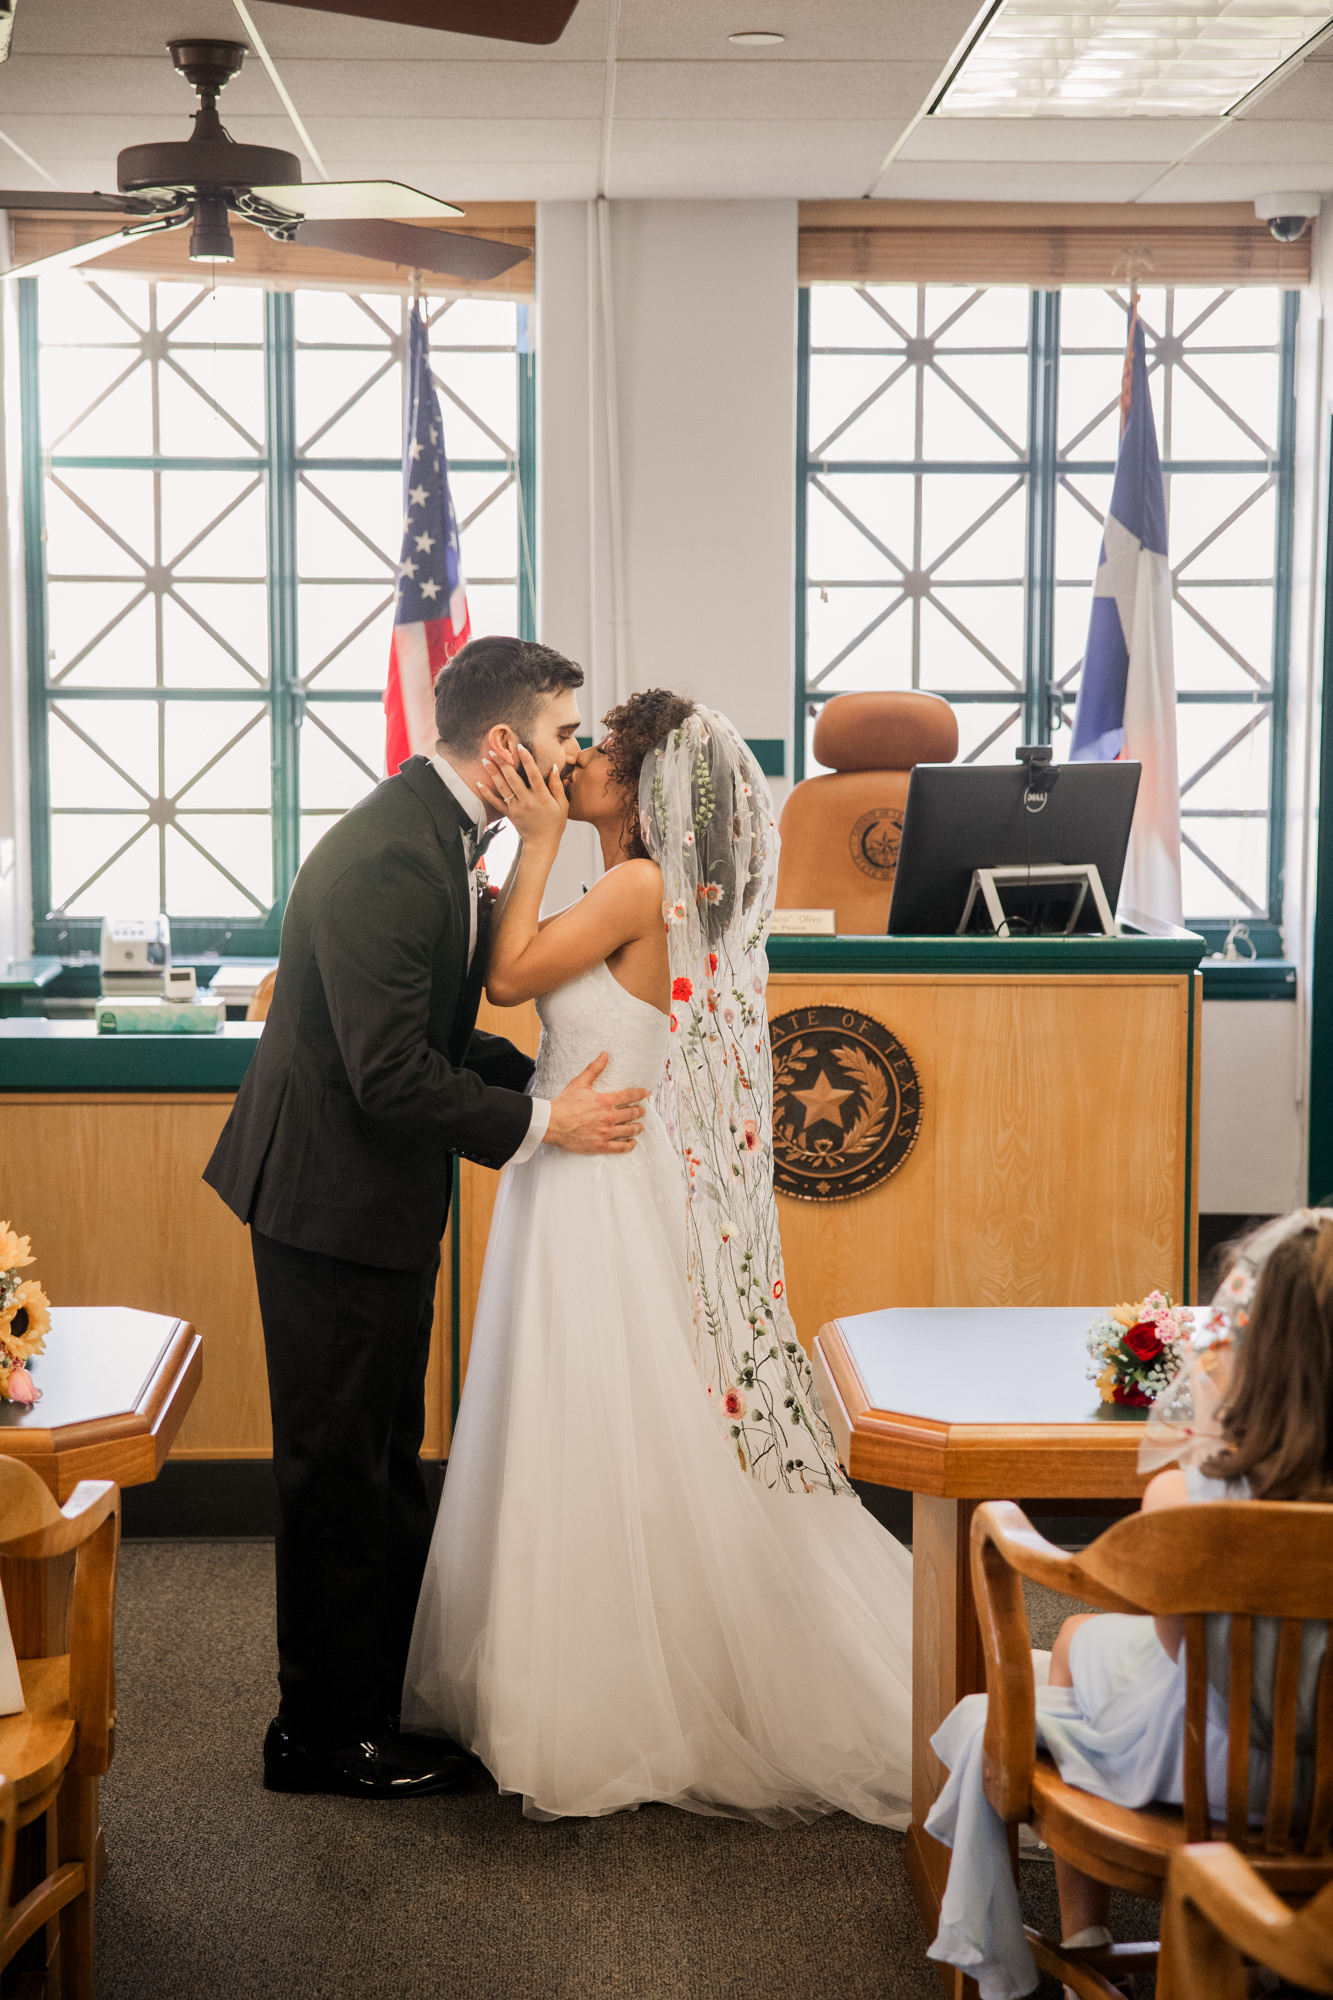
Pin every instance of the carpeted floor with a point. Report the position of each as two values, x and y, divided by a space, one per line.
218 1888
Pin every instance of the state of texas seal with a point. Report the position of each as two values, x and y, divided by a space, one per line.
873 842
846 1103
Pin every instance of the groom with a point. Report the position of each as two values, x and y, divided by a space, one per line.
368 1081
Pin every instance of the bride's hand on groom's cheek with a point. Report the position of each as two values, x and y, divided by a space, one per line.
534 803
587 1120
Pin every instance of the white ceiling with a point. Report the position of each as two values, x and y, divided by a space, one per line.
639 98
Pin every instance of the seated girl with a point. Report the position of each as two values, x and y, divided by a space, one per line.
1113 1716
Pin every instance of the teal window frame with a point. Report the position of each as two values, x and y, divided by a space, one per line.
280 468
1046 703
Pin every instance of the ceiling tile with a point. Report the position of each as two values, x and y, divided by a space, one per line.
838 30
455 140
696 160
1222 183
444 90
950 180
1037 139
801 92
98 83
1269 142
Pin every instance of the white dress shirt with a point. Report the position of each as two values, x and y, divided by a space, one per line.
476 812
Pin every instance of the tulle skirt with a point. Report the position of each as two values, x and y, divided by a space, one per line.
614 1611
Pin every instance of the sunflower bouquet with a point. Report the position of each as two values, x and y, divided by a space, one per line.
25 1319
1136 1350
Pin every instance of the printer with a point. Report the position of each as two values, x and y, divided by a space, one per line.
135 957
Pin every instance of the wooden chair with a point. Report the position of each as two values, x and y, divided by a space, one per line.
1219 1913
1246 1558
262 997
54 1752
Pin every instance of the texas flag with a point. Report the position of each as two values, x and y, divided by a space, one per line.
1127 697
430 620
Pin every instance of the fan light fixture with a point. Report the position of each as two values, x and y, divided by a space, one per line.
756 38
1126 58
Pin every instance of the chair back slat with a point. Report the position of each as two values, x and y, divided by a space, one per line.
1321 1798
1282 1784
1196 1726
1238 1728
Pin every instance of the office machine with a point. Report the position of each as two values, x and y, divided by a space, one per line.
135 957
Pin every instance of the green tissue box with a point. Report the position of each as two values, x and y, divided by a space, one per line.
160 1017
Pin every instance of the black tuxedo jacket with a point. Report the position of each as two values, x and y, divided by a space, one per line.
369 1076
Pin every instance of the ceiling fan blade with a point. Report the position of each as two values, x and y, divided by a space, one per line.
65 260
499 20
442 250
356 201
71 204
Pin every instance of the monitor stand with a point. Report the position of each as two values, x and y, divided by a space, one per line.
1042 901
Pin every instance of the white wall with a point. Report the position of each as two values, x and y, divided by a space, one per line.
680 404
15 863
1251 1142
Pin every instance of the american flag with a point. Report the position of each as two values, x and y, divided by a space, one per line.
430 620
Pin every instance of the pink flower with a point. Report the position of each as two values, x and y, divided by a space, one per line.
710 892
22 1388
778 1288
734 1403
674 1024
681 989
673 913
712 963
750 1133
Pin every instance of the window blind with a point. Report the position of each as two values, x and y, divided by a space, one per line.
1044 245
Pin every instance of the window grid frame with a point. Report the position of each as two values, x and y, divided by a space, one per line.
280 467
1042 469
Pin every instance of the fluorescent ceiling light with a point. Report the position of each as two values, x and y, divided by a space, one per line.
1126 58
756 38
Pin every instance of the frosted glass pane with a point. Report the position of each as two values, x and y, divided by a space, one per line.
101 635
345 633
242 845
195 733
330 776
82 845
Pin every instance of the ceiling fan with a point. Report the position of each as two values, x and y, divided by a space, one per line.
501 20
206 179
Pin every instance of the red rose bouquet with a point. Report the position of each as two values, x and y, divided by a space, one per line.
1137 1349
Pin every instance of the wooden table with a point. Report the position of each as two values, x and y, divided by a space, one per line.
116 1385
957 1405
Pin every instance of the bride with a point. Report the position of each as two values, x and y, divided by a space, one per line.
650 1578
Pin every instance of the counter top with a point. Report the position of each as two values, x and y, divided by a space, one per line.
71 1055
1164 951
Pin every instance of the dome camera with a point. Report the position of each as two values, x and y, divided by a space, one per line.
1286 214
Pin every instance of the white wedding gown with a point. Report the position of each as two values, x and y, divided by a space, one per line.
614 1610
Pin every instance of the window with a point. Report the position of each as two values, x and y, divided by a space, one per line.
956 451
212 522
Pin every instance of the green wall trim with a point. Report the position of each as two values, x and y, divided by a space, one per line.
770 753
1250 979
71 1055
1170 955
1321 968
1186 1288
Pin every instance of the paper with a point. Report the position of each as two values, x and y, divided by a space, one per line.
11 1686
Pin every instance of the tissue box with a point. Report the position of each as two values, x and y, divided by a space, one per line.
160 1017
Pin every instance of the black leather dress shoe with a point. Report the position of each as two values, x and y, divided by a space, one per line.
371 1770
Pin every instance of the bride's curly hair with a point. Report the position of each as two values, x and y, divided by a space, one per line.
635 728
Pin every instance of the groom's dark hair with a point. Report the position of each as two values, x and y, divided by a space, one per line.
497 680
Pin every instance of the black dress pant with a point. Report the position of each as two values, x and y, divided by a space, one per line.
347 1346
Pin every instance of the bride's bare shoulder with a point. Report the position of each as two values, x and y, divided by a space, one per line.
638 882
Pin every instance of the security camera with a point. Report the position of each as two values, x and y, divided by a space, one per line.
1286 214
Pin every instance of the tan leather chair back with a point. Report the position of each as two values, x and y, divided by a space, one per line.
840 831
262 998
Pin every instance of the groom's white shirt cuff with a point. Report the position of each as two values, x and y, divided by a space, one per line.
476 811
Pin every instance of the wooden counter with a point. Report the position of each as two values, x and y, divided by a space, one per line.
1055 1157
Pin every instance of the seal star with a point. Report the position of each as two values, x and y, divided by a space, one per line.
822 1103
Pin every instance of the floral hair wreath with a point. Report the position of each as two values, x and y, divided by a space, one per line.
1185 1423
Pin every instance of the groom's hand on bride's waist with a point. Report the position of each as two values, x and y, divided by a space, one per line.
587 1120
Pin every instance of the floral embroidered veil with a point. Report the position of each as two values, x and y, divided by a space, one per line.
707 820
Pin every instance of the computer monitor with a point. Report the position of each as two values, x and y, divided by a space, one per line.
960 817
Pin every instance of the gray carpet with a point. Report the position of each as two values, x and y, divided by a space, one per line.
217 1887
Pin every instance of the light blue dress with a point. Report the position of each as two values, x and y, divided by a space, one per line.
1118 1733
